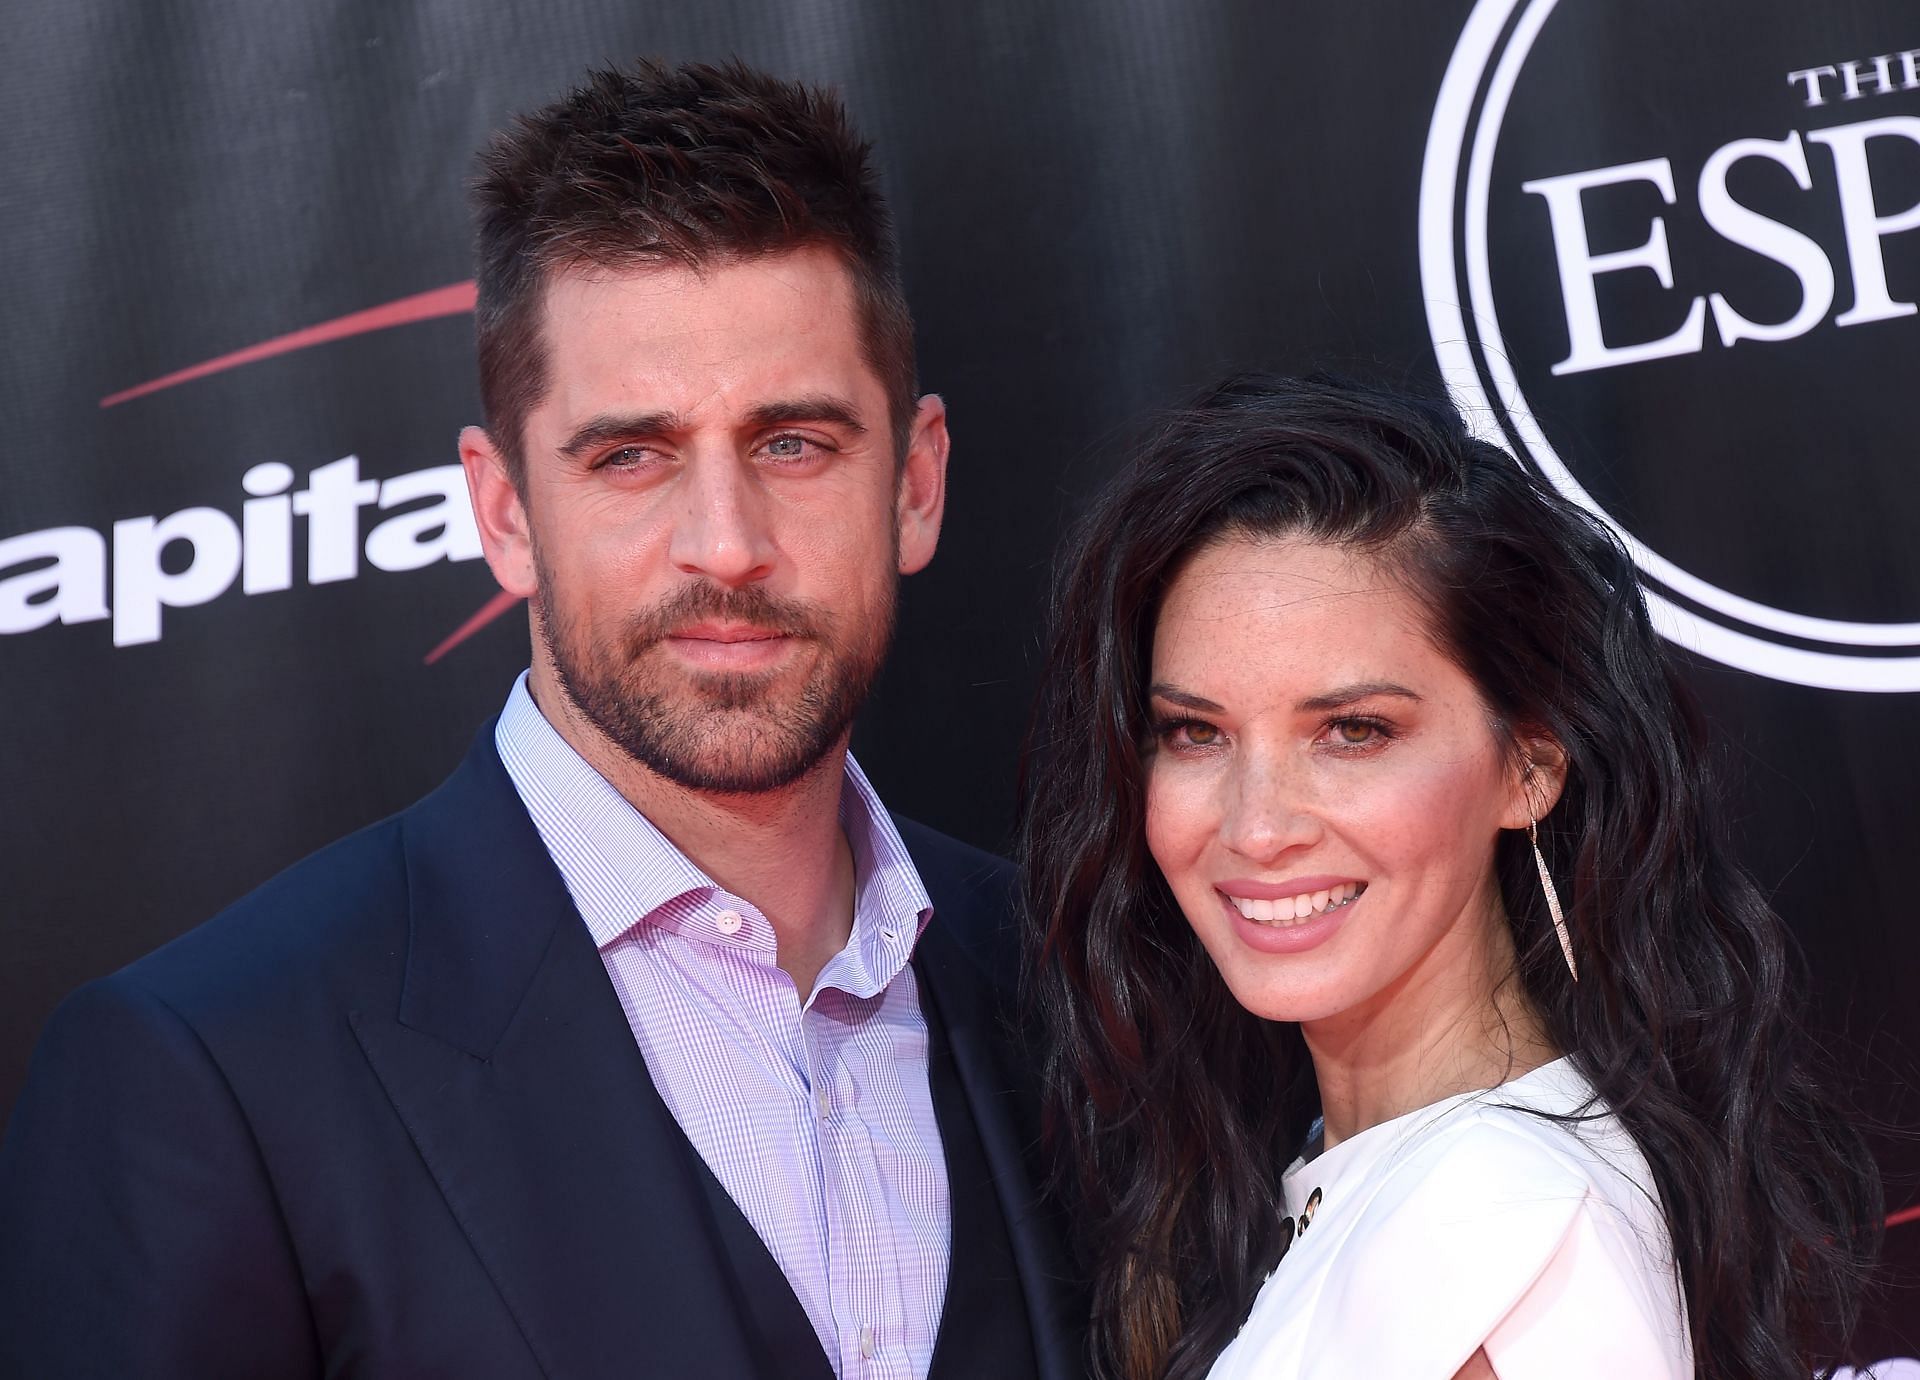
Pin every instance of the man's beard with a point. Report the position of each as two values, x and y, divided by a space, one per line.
727 732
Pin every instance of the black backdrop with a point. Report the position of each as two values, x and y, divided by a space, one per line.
1101 206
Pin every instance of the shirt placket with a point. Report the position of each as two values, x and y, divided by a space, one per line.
787 1036
862 1276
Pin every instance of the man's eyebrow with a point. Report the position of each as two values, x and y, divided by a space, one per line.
1183 698
609 427
1353 694
812 407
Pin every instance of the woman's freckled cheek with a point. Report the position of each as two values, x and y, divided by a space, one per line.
1410 816
1178 819
1196 798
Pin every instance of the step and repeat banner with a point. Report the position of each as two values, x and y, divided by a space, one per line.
1667 254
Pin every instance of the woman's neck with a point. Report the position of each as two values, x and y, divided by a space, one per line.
1456 1022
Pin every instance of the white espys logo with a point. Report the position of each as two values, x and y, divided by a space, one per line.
1457 282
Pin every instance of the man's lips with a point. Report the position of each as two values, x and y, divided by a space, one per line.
729 647
725 632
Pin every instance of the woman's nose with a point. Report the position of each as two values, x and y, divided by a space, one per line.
1268 808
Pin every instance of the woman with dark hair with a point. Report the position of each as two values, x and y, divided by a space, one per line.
1367 827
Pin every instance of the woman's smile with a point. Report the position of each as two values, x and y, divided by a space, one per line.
1290 903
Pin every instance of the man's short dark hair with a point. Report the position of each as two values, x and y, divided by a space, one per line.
687 166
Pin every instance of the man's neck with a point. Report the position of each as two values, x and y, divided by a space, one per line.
782 850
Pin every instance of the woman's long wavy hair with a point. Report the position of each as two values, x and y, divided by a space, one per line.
1174 1109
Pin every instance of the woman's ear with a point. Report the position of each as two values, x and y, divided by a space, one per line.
1539 775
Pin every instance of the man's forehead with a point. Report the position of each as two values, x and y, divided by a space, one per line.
727 336
810 281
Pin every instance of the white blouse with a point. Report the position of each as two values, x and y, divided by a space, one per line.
1471 1224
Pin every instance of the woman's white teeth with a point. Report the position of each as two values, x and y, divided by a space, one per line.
1291 910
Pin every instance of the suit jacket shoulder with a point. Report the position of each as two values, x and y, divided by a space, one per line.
974 898
326 933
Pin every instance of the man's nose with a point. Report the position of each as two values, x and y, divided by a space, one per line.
721 530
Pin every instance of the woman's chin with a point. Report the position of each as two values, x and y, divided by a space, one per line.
1282 1000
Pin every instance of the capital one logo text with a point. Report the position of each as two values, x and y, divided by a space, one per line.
144 566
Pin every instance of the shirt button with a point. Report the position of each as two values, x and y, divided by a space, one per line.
866 1342
824 1101
728 921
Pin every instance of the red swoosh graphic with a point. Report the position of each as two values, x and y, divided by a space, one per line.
486 613
1904 1216
451 300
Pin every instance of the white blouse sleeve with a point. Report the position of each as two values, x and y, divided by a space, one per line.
1490 1238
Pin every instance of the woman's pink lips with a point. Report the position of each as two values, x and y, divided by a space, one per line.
1250 890
1295 938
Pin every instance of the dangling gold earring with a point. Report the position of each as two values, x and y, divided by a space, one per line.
1553 898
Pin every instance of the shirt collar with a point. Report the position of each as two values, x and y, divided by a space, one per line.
622 871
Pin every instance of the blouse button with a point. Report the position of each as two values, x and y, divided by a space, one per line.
728 922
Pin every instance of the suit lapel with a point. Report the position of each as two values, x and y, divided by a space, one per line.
783 1335
976 1039
512 1066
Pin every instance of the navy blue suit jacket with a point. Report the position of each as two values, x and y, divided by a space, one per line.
385 1118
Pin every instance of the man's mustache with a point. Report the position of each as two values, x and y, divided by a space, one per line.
705 601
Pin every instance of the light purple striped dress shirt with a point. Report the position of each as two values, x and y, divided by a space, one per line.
816 1117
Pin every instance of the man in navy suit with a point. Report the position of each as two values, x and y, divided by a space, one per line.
650 1044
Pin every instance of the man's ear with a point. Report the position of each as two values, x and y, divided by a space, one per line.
920 498
1539 776
500 512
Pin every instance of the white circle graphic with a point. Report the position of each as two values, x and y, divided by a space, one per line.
1494 41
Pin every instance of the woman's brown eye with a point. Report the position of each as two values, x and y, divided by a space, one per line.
1356 731
1202 735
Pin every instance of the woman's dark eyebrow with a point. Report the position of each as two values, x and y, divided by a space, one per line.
1183 699
1352 694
